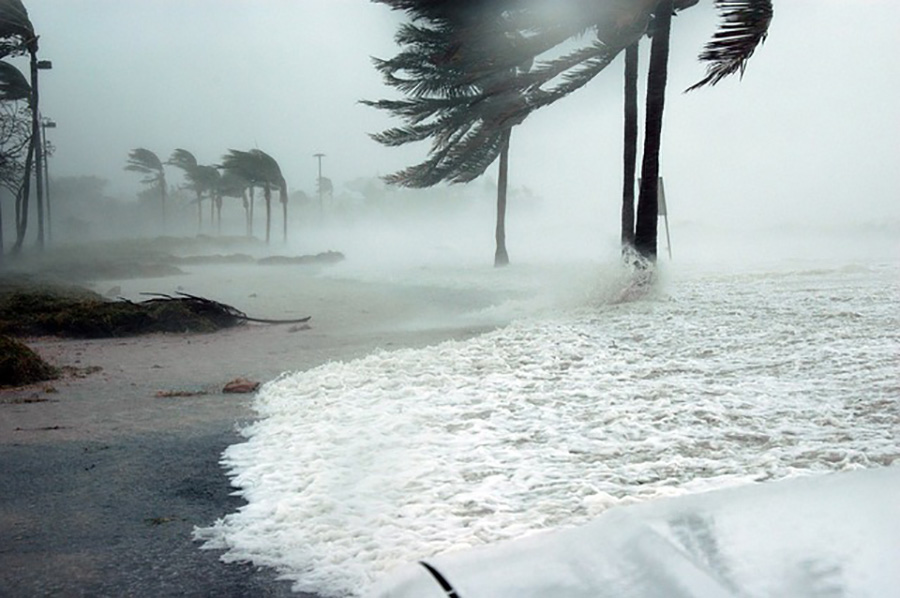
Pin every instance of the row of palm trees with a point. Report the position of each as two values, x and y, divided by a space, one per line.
238 175
470 71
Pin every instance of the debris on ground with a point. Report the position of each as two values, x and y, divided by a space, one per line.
241 385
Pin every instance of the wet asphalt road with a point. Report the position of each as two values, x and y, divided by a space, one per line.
114 518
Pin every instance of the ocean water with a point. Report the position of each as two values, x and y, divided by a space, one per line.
587 399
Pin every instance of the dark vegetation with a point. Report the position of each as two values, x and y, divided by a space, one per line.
19 365
58 311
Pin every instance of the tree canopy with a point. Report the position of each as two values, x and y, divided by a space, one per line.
470 69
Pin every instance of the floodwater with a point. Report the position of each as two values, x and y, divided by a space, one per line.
590 396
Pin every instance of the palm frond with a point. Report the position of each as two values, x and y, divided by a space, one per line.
143 160
745 25
183 159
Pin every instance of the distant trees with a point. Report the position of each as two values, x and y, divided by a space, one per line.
200 179
259 169
146 162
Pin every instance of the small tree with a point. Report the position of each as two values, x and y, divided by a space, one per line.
148 163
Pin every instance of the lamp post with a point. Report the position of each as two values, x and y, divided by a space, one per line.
38 65
47 123
319 183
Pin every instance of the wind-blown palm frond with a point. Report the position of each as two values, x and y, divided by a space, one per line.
745 25
145 162
183 159
13 84
16 31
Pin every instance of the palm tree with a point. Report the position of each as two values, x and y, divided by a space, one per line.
617 23
645 233
147 163
448 101
231 184
260 170
185 160
207 178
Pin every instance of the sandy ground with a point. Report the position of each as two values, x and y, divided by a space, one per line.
103 481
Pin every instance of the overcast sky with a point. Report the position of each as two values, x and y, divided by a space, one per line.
813 123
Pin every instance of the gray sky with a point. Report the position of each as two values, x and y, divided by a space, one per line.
813 123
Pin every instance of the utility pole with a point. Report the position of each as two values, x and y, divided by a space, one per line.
37 65
319 183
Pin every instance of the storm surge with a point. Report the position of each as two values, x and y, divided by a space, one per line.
717 379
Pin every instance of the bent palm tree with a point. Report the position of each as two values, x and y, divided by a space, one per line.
147 163
185 160
448 101
260 170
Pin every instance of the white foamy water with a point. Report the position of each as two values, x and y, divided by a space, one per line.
715 380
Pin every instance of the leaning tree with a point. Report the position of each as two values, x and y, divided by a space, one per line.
444 48
260 169
200 179
148 163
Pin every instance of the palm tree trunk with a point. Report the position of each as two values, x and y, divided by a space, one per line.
283 196
218 200
252 201
648 206
501 257
199 212
630 146
162 197
267 192
246 203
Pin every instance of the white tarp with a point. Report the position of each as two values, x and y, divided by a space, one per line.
831 535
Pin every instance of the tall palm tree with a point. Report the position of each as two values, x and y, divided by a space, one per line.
260 170
185 160
645 234
630 144
617 23
231 184
448 101
148 163
206 178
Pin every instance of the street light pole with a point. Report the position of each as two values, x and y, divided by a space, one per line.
319 182
37 65
47 124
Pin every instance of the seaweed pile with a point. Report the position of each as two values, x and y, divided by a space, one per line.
41 312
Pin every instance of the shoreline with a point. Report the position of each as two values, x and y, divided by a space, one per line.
105 480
